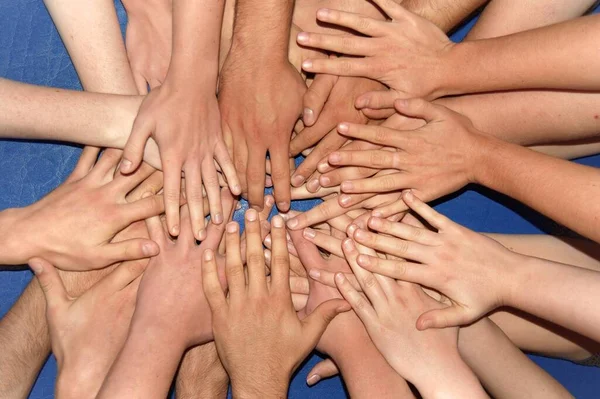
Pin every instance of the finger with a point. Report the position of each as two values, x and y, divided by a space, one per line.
254 253
315 97
155 228
359 23
133 249
299 301
342 66
301 192
228 168
186 235
327 278
331 142
234 268
378 114
321 213
140 83
136 143
280 258
375 159
404 231
255 176
369 284
151 205
395 246
343 44
363 309
152 184
373 133
266 211
210 282
451 316
393 9
322 370
108 161
385 211
337 176
281 178
299 285
171 193
419 108
324 241
86 162
51 284
308 253
316 323
122 276
397 269
311 136
432 217
123 184
382 184
377 100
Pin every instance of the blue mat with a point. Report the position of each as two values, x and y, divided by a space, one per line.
31 51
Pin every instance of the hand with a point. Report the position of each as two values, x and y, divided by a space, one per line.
472 270
201 374
406 54
148 40
425 358
91 326
434 160
259 337
260 105
176 274
186 126
73 226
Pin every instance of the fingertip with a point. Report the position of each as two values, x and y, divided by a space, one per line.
36 265
208 255
308 116
150 248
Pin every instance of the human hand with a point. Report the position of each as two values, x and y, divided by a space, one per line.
429 359
91 326
418 72
73 226
472 270
201 374
148 40
259 337
260 104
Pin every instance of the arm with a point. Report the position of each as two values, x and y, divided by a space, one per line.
446 14
25 343
201 374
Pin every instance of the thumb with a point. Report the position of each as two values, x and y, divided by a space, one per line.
51 283
379 99
451 316
324 369
316 323
134 148
419 108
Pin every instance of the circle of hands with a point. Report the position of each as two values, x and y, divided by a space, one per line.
145 261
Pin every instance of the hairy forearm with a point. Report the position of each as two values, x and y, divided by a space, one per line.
446 14
560 56
501 367
201 375
563 294
561 190
532 117
25 343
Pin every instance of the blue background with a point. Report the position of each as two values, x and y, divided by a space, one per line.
31 51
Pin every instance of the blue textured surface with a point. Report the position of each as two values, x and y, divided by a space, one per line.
31 51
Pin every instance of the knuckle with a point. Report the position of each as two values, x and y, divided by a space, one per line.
388 183
381 134
233 270
255 259
255 177
347 43
378 159
369 281
171 196
346 67
279 259
363 23
396 160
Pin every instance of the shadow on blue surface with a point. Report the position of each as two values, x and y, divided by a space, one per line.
31 51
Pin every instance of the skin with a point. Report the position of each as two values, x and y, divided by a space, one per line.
201 374
190 140
389 315
257 116
180 324
274 339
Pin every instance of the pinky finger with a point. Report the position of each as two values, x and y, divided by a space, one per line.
228 168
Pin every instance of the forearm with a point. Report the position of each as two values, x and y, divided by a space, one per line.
501 367
559 56
201 375
562 294
25 343
531 117
146 365
446 14
561 190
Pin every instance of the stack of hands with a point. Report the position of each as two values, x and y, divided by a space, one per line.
146 277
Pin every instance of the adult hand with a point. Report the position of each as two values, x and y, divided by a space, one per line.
259 337
260 105
91 326
187 129
73 226
469 268
407 53
148 39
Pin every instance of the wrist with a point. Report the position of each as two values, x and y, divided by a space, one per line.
16 243
455 78
483 155
447 379
266 385
519 278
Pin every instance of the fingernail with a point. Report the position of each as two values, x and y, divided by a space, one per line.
377 213
339 277
268 240
277 221
312 185
351 229
292 223
408 195
307 64
361 103
309 233
322 13
283 205
363 260
360 234
149 249
348 244
290 247
218 218
343 128
237 189
251 215
147 194
313 379
308 116
267 255
269 201
425 324
238 206
208 255
335 157
344 199
375 222
323 167
347 186
297 180
36 267
325 181
175 230
125 165
401 102
232 227
201 234
302 37
314 273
